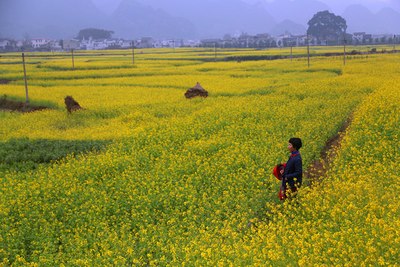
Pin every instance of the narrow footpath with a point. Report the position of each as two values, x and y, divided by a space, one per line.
318 168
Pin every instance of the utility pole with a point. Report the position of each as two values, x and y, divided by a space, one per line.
308 51
344 49
394 43
215 51
26 82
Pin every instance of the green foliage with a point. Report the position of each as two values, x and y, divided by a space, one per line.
94 34
326 26
23 154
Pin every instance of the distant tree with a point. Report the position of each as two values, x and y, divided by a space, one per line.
94 34
327 26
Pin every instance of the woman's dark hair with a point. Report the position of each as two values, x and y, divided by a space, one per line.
296 143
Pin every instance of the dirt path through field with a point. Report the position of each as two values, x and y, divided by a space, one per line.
318 168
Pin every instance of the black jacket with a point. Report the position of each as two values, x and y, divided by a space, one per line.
293 169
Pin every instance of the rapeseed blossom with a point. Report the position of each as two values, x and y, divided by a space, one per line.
187 182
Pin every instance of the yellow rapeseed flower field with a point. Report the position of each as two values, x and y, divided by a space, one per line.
143 176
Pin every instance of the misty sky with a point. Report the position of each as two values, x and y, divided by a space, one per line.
342 3
337 6
189 18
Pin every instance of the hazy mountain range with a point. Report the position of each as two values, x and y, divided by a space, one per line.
187 19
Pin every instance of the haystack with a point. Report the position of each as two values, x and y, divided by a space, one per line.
197 90
71 104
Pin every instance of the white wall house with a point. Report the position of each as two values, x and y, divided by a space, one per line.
55 45
191 43
358 36
39 43
4 43
126 43
19 44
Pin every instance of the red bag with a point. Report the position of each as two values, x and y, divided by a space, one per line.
277 171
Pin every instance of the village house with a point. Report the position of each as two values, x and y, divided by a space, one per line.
191 43
112 43
380 38
301 40
169 43
284 40
55 45
358 37
4 44
19 44
99 45
126 44
262 40
40 43
92 44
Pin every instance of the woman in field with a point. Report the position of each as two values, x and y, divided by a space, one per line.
292 174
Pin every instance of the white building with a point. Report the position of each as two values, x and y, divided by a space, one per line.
39 43
19 44
358 37
4 43
126 43
191 43
55 45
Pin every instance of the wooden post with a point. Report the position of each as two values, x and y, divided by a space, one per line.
26 82
308 51
344 50
215 51
133 52
73 60
394 43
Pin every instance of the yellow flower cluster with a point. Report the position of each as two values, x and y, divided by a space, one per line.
351 218
187 182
